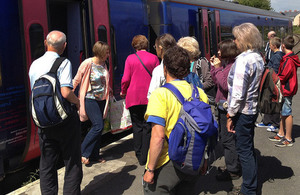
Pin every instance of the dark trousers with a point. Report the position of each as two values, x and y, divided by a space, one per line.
62 140
228 142
273 119
169 180
91 144
244 127
141 132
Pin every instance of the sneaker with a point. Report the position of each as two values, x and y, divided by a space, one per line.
273 129
227 176
276 138
261 124
284 143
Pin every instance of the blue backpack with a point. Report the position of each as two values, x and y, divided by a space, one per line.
48 107
188 139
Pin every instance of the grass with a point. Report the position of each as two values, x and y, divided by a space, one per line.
32 177
296 30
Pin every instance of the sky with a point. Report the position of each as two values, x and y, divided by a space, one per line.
285 5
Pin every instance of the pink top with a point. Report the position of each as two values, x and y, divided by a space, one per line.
136 80
83 78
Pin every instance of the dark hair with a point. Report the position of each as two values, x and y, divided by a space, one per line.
166 41
139 42
177 62
289 42
228 50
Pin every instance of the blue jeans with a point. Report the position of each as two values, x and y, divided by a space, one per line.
244 127
91 144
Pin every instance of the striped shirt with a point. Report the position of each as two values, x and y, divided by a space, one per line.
243 83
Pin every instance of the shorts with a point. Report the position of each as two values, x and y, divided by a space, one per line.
287 106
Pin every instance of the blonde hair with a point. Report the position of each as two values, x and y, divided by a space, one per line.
248 37
191 45
99 49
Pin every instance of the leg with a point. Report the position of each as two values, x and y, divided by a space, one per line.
282 126
146 139
244 127
137 118
91 141
228 141
288 127
71 153
49 147
287 117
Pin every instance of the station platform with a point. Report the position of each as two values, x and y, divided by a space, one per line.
278 168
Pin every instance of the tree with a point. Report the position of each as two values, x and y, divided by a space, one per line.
261 4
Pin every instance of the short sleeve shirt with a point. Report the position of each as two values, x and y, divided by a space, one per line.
43 65
164 104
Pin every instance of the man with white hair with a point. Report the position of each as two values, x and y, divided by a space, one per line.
63 139
269 53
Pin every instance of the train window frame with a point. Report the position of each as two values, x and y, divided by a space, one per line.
36 39
192 31
1 73
206 39
101 30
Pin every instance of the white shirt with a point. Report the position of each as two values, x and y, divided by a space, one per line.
158 79
43 65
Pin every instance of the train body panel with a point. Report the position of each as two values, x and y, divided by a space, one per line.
24 25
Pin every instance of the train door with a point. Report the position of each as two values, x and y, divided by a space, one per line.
35 27
100 28
211 31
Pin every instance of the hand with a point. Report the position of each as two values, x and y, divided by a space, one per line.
149 177
217 62
122 95
212 60
230 127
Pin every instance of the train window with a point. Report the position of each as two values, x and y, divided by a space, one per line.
226 32
102 33
218 35
192 31
206 40
36 36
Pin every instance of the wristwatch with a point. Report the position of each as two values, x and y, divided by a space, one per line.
150 170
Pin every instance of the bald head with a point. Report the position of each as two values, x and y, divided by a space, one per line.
56 41
271 34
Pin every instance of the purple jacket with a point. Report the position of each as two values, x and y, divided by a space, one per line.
219 76
136 80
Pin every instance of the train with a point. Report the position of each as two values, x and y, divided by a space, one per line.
24 25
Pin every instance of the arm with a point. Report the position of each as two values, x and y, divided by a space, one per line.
156 146
126 77
207 80
68 94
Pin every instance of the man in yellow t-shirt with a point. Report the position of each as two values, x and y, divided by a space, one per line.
163 112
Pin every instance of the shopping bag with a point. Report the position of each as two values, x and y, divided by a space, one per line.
119 116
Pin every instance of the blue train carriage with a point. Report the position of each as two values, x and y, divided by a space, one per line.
211 21
24 25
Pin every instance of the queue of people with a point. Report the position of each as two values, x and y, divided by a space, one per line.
235 73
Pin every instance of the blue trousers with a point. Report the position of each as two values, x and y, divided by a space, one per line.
244 127
91 144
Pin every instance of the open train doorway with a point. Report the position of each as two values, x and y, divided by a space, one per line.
65 16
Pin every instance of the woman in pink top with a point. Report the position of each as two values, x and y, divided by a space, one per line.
93 78
134 86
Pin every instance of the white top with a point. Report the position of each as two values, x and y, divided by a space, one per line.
43 65
158 79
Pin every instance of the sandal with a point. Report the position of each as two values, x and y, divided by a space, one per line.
85 161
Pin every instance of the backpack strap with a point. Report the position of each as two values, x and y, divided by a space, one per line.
175 91
56 64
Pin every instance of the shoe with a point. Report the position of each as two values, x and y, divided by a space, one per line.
236 190
227 176
273 129
261 124
284 143
276 138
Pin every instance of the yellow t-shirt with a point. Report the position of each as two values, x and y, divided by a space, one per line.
162 103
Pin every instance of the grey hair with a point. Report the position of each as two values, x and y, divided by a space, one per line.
248 37
191 45
56 39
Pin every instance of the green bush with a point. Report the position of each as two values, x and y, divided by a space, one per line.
296 30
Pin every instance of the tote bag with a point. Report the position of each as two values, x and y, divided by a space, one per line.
119 116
